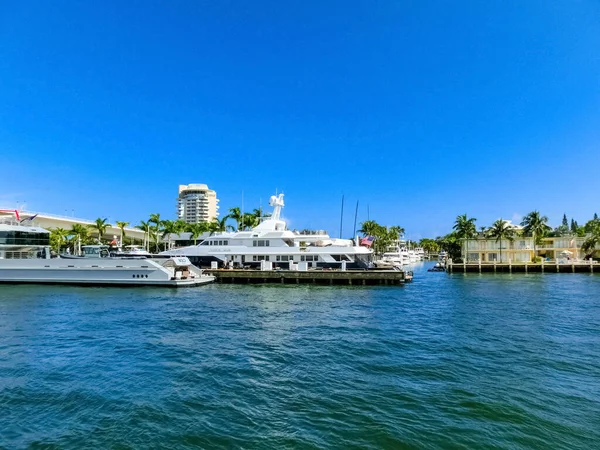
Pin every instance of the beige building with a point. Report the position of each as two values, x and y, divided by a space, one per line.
197 203
521 249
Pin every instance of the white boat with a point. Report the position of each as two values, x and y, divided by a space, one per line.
25 257
272 243
130 250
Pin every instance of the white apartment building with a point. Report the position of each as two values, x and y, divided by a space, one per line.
197 203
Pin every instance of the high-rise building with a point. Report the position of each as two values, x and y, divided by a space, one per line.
196 203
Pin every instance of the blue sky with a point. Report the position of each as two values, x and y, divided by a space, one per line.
420 110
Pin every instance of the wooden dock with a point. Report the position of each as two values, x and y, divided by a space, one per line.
519 267
320 277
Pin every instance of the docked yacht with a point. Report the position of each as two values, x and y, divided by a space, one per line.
272 242
25 257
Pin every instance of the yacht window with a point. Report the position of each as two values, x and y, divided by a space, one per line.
267 243
225 242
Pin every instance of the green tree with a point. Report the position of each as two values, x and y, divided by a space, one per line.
196 229
429 245
501 230
537 226
57 238
370 228
592 241
397 232
122 226
450 243
146 228
218 225
169 227
155 228
100 225
80 235
236 214
465 229
574 226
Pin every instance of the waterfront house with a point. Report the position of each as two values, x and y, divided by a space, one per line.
521 249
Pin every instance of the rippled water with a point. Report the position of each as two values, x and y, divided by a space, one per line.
450 361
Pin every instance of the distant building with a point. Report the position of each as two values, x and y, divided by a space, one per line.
197 203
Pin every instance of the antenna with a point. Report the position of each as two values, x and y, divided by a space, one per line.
342 216
355 215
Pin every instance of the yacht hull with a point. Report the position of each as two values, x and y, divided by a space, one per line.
97 273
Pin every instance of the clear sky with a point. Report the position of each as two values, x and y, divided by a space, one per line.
421 110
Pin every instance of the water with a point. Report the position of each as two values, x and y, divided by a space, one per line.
450 361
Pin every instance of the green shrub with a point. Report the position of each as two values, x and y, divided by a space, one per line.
536 259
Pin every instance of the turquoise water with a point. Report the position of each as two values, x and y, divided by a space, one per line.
449 361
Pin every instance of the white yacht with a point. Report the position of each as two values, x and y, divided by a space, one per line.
25 257
272 242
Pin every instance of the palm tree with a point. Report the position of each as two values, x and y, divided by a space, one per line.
180 226
218 225
155 219
236 214
536 225
593 240
501 230
196 229
465 229
146 228
250 221
100 225
168 227
370 228
396 231
80 234
122 226
57 237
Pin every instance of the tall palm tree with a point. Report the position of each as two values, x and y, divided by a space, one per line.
80 234
169 227
501 230
465 229
536 225
100 225
196 229
154 230
122 226
146 228
236 214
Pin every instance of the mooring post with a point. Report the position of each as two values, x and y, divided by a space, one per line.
526 264
573 268
494 266
591 265
479 265
557 267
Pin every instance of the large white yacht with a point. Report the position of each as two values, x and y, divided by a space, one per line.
271 241
25 257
